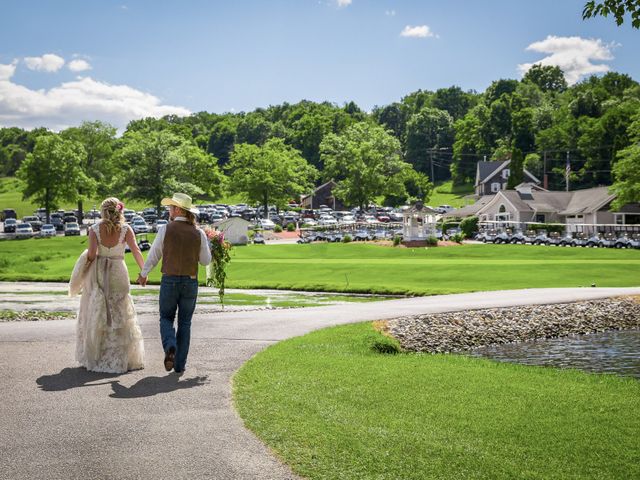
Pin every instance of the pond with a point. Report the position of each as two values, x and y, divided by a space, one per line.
614 352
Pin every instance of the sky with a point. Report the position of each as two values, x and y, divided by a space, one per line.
67 61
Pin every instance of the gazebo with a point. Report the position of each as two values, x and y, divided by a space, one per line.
418 223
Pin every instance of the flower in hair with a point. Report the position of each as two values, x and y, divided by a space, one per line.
120 206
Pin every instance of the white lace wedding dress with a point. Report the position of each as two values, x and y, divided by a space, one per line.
108 336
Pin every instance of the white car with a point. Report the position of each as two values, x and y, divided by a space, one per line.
158 224
140 226
371 220
348 220
327 220
266 224
48 230
24 230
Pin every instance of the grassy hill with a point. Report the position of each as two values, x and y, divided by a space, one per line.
11 197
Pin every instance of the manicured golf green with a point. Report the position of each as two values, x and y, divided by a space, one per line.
365 268
331 407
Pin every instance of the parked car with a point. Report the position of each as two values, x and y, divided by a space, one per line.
140 226
327 220
10 225
92 214
41 213
266 224
69 218
258 239
57 222
48 230
361 236
71 228
24 230
157 224
9 213
34 221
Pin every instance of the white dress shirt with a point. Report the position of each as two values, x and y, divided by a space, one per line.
155 254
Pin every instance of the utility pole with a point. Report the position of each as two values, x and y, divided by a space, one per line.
567 172
545 179
431 157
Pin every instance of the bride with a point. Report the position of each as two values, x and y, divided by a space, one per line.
108 336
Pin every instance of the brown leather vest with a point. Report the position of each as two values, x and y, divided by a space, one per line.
181 249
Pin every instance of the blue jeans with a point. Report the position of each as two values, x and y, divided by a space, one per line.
177 293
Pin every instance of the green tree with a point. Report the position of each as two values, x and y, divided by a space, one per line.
158 163
364 162
53 172
548 78
272 174
453 100
626 170
472 141
417 187
516 174
222 139
98 139
617 8
427 132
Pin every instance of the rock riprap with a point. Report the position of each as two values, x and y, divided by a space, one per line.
460 331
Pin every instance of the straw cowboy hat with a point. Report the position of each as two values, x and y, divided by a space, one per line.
181 200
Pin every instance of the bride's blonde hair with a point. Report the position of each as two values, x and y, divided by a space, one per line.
112 216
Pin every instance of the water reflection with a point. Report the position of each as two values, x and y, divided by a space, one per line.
616 352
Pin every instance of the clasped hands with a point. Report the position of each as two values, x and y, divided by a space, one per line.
142 281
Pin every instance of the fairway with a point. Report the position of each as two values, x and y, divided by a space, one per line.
365 268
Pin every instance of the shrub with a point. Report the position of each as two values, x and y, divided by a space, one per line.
458 237
347 238
432 241
291 227
469 226
396 240
277 229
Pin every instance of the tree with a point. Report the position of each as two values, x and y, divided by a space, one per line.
618 8
53 172
417 187
427 132
453 100
272 174
364 162
626 171
473 141
516 175
156 164
98 139
549 78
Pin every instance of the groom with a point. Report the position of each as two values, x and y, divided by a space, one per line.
181 245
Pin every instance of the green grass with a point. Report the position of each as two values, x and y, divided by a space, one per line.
446 194
365 268
331 407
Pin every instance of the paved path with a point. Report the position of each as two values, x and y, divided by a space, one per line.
61 422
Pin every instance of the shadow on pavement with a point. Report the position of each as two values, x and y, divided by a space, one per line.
150 386
72 378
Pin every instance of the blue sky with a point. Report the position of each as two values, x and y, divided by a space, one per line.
65 61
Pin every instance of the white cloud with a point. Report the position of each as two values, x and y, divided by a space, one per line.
574 55
73 102
79 65
343 3
390 13
421 31
7 71
49 62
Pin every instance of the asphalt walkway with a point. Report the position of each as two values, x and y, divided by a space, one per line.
59 421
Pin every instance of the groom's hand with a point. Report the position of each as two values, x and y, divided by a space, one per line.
142 281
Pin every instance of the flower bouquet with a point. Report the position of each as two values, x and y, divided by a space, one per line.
220 257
